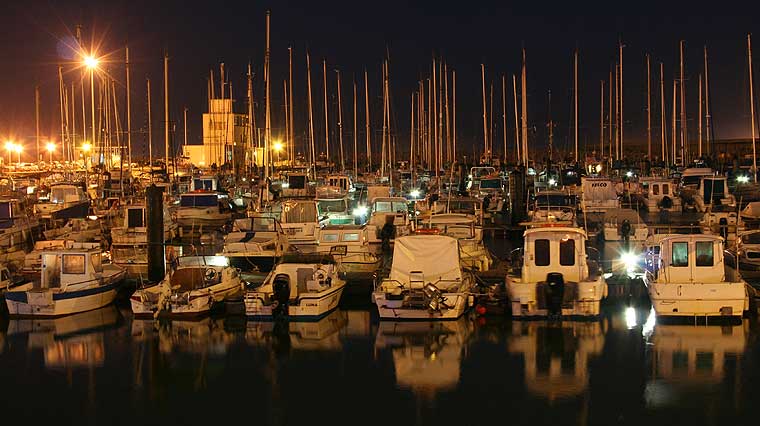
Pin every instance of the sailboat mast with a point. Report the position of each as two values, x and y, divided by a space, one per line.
249 148
37 120
485 125
327 123
292 141
356 161
504 113
649 112
366 121
684 139
166 111
699 117
524 112
267 105
575 108
449 156
518 146
752 107
601 120
411 139
707 107
340 126
454 113
675 87
622 121
312 145
129 113
662 112
150 134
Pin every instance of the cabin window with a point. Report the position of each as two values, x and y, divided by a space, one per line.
567 252
542 254
655 189
351 237
5 211
135 218
97 262
73 264
680 254
665 189
705 253
330 238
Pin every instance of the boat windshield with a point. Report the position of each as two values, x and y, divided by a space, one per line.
59 195
553 200
206 184
332 206
390 207
753 238
206 200
296 182
490 183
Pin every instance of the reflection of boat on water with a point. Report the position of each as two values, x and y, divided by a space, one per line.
205 336
322 335
556 355
426 355
687 360
71 341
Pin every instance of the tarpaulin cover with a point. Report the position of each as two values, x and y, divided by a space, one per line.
436 256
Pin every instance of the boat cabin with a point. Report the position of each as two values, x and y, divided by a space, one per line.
688 258
691 177
340 181
205 183
550 249
76 263
476 173
202 200
296 185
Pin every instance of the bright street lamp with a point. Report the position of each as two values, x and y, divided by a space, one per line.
86 147
9 147
277 146
91 62
50 148
18 149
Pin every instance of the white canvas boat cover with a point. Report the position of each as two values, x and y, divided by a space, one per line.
435 256
598 191
752 211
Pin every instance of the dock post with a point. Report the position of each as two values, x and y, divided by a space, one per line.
154 196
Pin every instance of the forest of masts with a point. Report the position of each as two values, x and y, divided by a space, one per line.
433 141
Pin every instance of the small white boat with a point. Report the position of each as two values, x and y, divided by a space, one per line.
660 193
192 288
426 281
63 201
256 243
751 213
300 287
747 249
688 276
553 206
299 219
73 279
473 253
361 260
554 276
332 203
598 194
203 209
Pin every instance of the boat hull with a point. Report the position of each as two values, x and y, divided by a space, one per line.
309 307
36 303
693 299
525 303
394 310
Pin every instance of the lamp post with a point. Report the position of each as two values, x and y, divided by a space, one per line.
92 63
277 146
9 147
50 148
86 147
18 148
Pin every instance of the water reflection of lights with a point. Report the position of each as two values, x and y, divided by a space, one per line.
687 357
319 335
630 317
556 355
426 355
648 327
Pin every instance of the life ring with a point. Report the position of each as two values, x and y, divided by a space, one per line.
209 274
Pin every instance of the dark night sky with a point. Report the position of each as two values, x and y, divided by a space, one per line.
352 36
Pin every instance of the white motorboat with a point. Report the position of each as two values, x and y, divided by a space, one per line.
299 219
688 276
73 279
598 195
660 193
491 187
747 249
553 206
16 224
555 276
64 201
256 243
192 288
426 281
129 242
82 230
750 214
203 209
361 260
332 203
300 287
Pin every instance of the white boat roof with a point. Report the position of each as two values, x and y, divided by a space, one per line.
450 218
690 237
435 256
549 227
697 171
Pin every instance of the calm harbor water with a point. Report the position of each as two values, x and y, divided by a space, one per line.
104 367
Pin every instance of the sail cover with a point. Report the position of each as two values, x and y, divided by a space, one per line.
435 256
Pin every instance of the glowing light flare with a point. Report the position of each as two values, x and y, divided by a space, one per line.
629 173
50 146
360 211
91 62
9 145
86 147
278 146
742 179
552 182
630 317
18 148
415 193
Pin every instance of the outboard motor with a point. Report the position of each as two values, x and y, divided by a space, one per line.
555 292
281 293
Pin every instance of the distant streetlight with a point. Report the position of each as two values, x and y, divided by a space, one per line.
9 147
277 146
50 149
86 147
18 148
